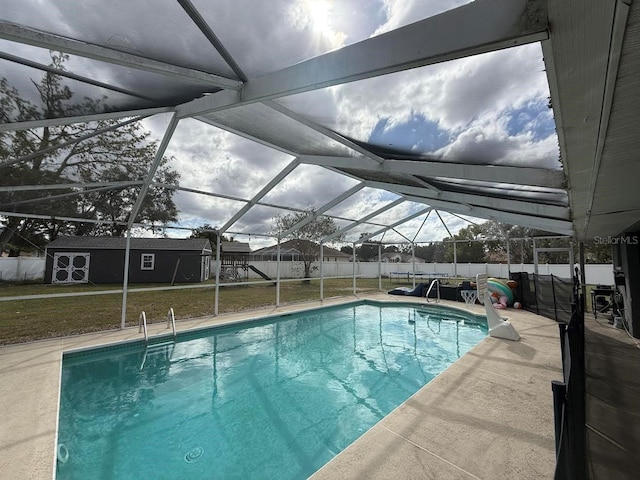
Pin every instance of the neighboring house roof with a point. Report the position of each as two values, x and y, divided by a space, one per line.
235 247
398 257
119 243
290 246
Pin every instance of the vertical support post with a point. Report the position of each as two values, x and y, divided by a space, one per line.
535 257
218 267
353 259
413 264
157 159
278 275
379 266
455 258
125 280
321 271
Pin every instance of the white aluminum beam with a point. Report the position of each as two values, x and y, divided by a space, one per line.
245 200
242 134
327 206
60 195
360 163
444 224
323 130
206 30
418 231
363 219
94 117
399 222
403 235
486 173
56 217
479 27
615 51
563 227
173 123
470 200
33 155
425 184
73 76
31 36
62 186
258 196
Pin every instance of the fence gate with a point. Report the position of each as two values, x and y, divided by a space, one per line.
70 268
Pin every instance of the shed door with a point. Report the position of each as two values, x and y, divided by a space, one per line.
70 268
205 268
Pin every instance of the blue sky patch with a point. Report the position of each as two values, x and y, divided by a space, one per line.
418 135
536 118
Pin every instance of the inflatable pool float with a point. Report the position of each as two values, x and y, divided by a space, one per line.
499 287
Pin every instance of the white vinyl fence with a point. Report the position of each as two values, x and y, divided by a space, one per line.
21 268
28 268
595 274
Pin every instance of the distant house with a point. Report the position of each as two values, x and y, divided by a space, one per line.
289 252
397 257
151 260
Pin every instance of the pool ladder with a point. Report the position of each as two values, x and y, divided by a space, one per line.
142 323
171 322
437 285
155 347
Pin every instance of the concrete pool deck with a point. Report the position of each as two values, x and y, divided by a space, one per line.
490 415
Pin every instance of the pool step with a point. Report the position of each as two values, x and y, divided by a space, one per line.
157 346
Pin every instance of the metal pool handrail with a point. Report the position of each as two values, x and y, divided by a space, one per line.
171 321
142 323
434 282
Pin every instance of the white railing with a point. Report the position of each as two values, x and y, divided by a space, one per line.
142 324
435 282
171 321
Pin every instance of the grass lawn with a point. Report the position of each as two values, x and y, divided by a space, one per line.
27 320
33 319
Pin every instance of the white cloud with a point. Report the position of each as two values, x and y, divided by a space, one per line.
469 99
403 12
489 144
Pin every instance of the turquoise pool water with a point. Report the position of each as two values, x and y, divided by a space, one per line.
272 399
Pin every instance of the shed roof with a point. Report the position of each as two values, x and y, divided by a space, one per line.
235 247
291 246
119 243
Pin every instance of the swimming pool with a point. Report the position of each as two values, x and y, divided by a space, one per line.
274 398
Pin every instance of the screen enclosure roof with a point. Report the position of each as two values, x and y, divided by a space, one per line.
510 110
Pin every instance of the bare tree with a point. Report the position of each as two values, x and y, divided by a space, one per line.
305 239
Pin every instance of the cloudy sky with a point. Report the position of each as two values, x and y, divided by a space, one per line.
491 108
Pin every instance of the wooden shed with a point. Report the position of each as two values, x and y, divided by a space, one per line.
152 260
